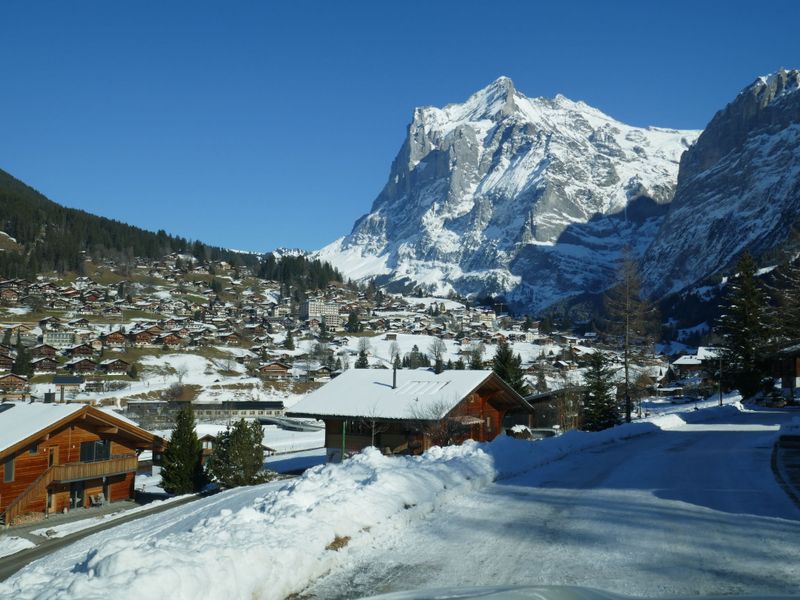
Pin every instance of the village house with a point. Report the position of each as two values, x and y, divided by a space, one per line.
274 370
13 383
114 366
81 365
45 364
43 350
408 411
115 339
57 457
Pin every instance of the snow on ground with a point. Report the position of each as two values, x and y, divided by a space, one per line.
10 544
65 529
693 510
270 541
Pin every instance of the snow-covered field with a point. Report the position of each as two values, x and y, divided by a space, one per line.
270 541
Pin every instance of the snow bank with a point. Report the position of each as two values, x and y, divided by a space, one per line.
10 544
273 546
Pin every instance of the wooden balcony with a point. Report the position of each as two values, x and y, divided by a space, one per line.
93 470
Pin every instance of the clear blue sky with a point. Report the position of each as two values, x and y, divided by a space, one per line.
255 125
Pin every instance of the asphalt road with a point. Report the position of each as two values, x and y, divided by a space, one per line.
13 563
695 511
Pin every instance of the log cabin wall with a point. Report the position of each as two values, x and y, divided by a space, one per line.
64 445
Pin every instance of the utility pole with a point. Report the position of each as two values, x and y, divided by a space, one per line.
720 378
344 433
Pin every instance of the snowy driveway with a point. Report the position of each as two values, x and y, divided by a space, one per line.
694 510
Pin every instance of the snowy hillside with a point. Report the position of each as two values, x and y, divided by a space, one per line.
533 197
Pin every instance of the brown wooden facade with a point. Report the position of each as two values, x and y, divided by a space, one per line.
478 416
49 472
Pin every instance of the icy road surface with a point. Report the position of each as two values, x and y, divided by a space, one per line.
690 511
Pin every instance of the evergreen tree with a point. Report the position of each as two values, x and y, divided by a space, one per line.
288 343
744 328
182 469
7 337
508 367
22 363
476 360
600 409
459 364
238 457
362 362
353 325
541 383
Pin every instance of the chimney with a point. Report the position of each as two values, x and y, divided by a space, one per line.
394 377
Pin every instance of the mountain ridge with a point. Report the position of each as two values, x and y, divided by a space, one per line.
481 193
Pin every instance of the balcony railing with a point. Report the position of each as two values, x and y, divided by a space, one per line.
65 473
91 470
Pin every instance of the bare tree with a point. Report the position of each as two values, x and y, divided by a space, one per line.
394 351
364 345
181 372
376 425
433 422
437 350
632 317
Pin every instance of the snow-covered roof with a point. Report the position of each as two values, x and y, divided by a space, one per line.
20 420
369 393
687 360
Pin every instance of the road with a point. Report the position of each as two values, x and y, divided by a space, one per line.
691 511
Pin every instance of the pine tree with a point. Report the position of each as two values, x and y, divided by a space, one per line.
508 367
238 457
22 363
744 328
541 383
288 343
362 362
353 325
182 470
459 364
600 409
476 360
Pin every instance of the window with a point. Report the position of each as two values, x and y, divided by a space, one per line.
94 451
8 470
33 449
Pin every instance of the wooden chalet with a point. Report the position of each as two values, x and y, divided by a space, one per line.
45 364
80 350
115 339
114 366
141 338
43 350
408 411
274 370
6 362
13 382
57 457
81 365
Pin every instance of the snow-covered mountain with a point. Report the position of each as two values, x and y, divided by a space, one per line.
531 197
738 187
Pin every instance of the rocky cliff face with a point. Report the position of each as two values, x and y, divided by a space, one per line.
531 197
738 187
